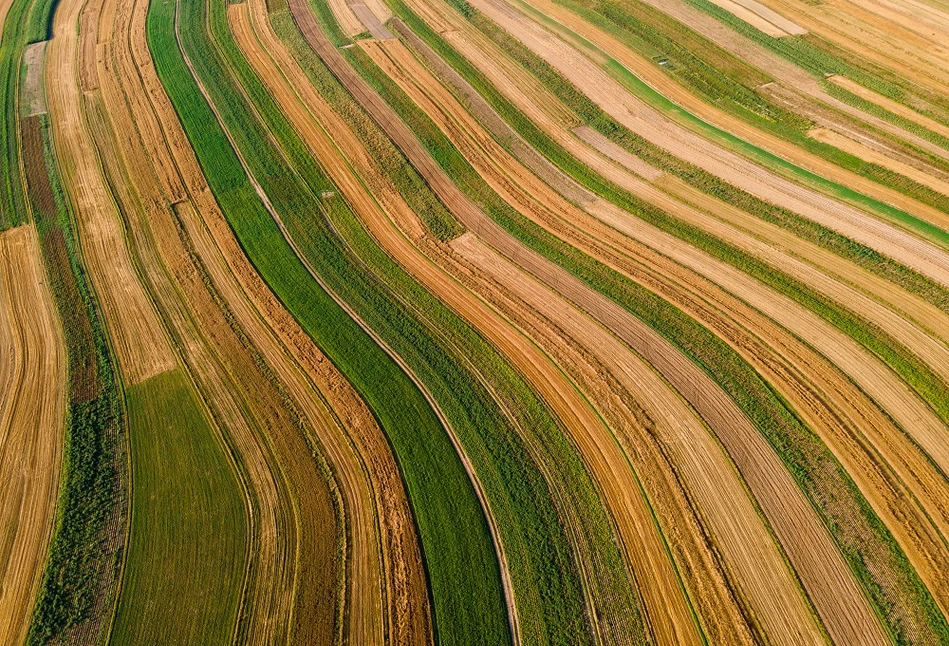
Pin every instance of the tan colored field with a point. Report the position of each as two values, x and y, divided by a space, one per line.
138 338
535 190
32 424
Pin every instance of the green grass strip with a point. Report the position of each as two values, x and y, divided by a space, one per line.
83 558
187 541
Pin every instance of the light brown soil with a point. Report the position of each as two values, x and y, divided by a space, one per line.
31 92
32 422
751 17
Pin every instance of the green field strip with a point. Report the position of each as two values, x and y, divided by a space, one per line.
454 535
561 461
185 565
88 534
13 206
789 170
27 21
796 444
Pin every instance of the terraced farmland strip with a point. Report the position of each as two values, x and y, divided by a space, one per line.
32 420
408 610
138 339
323 148
536 191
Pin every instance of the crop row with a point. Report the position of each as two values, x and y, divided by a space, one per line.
454 535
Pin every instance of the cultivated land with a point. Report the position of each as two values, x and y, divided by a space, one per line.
474 322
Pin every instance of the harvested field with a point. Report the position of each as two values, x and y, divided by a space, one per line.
32 422
474 322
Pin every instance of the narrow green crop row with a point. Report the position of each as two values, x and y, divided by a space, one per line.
863 538
13 208
84 552
187 536
454 534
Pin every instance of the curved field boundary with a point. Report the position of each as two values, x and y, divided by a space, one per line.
392 241
537 192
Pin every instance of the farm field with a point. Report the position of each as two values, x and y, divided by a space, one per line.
474 322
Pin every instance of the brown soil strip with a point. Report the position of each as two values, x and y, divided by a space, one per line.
617 154
32 416
369 19
751 17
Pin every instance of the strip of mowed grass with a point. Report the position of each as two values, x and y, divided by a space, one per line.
87 536
455 540
892 584
187 548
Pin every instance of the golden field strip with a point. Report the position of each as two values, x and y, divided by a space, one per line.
474 322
